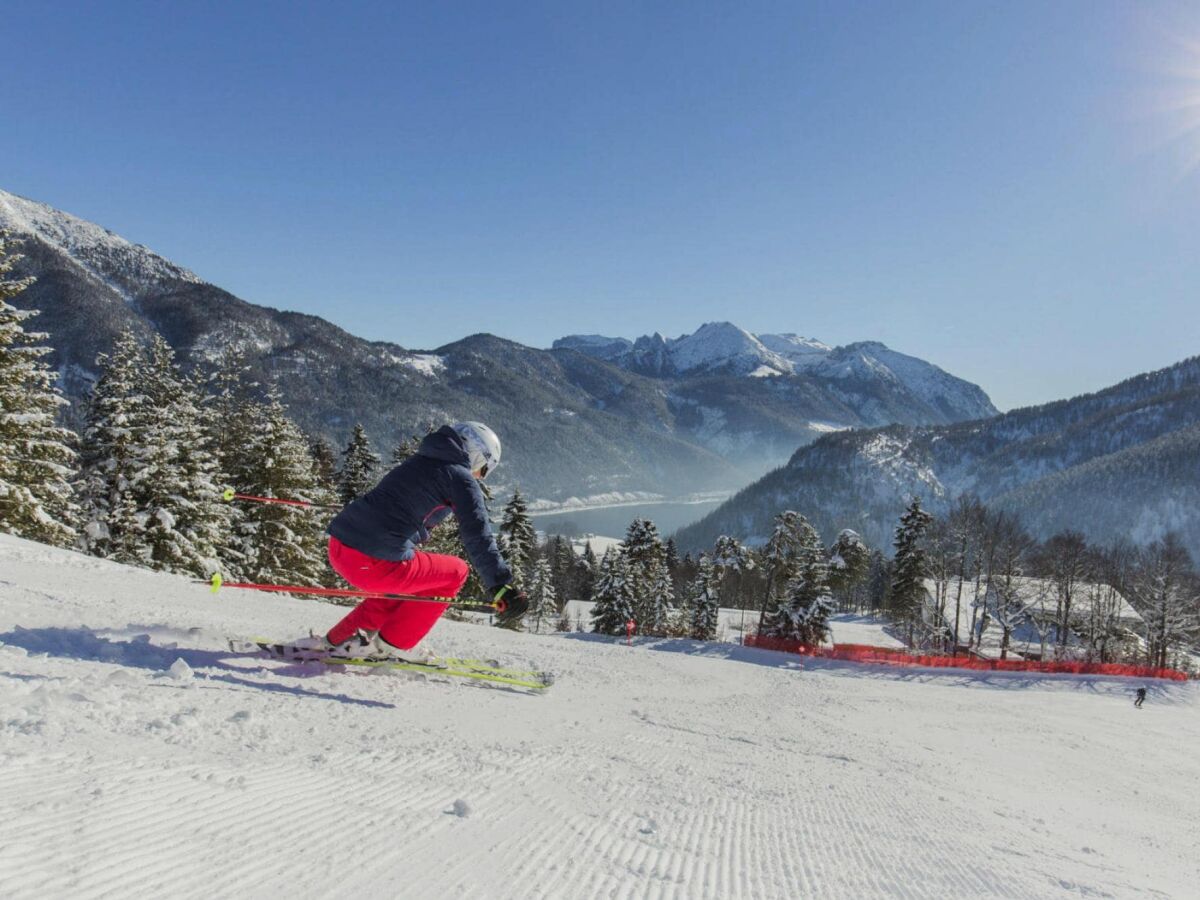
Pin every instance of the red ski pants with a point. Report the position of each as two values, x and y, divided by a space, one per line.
402 624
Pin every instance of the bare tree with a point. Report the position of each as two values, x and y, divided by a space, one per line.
1064 559
1162 586
966 524
1009 545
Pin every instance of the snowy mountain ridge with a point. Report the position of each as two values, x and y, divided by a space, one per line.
601 415
725 348
125 266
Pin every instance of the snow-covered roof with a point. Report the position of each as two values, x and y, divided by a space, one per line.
1040 596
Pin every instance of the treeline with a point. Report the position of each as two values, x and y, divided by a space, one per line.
141 482
953 584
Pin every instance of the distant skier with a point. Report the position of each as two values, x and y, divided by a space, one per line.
1141 697
374 542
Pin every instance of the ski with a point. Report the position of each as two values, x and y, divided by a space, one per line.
457 667
537 681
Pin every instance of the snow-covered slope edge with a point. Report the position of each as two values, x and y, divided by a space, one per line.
664 770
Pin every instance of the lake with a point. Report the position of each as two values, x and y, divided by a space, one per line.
611 521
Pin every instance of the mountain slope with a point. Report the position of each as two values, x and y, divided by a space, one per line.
1121 462
141 758
574 422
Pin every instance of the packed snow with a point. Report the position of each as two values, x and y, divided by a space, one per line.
138 757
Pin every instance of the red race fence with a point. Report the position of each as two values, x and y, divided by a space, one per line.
889 657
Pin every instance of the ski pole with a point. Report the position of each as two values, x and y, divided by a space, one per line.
229 494
217 582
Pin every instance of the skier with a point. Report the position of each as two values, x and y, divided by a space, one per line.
1141 697
374 544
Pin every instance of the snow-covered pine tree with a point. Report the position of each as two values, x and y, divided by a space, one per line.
36 457
118 409
909 568
358 473
176 483
730 558
804 614
565 566
325 461
228 408
849 566
612 600
518 540
282 544
650 582
406 448
586 569
780 553
543 600
705 601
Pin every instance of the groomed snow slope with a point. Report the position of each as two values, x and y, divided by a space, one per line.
669 769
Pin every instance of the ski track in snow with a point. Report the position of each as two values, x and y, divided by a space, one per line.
669 769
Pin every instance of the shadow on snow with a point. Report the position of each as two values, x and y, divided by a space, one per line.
139 653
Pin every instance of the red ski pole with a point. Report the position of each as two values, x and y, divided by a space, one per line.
230 494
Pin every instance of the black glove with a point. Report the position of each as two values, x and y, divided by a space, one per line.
511 603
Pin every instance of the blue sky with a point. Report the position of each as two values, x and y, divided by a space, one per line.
1002 188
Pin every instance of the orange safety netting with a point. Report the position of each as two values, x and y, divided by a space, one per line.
887 656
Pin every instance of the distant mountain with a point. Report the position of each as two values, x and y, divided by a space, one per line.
592 416
856 370
1123 462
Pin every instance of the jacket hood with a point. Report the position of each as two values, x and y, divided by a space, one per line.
447 445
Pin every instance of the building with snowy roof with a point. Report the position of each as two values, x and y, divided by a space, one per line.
1035 611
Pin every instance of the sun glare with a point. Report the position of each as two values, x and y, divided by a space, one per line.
1175 106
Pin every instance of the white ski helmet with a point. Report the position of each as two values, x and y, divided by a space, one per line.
482 446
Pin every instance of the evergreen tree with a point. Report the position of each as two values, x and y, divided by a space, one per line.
183 521
612 601
805 615
849 566
359 465
36 458
406 448
730 557
879 580
705 601
117 412
518 539
281 543
586 569
231 392
909 567
543 601
781 553
325 462
565 566
650 582
229 408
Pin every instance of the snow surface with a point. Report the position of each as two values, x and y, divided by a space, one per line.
428 364
666 769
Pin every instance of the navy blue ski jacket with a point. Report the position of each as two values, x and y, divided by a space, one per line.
395 516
